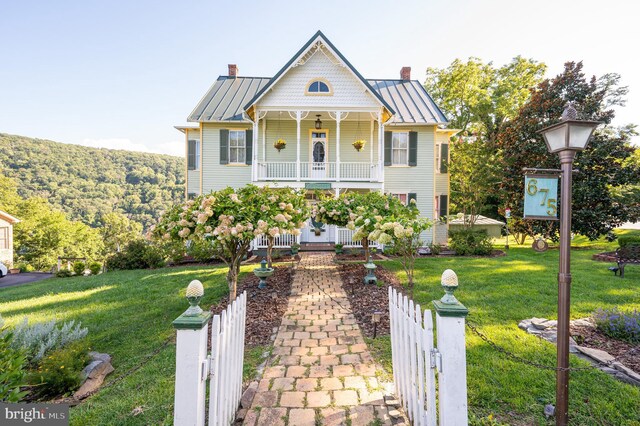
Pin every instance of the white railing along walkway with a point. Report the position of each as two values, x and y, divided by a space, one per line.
344 236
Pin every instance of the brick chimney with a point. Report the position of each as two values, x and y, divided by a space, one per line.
405 73
233 70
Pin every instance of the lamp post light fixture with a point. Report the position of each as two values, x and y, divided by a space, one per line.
370 278
375 319
566 138
318 122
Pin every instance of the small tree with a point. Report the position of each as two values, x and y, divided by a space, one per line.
404 234
284 211
361 212
230 220
117 230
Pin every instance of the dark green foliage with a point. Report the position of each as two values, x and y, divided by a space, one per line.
621 325
95 268
201 250
59 374
78 268
470 241
88 183
25 267
603 166
136 255
629 240
64 273
12 373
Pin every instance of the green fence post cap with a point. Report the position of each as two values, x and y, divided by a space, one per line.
195 322
450 310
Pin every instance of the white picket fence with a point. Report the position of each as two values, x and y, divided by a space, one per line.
226 359
223 368
416 360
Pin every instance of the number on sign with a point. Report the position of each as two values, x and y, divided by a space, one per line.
532 189
552 208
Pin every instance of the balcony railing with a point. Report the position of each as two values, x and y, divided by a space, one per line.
363 172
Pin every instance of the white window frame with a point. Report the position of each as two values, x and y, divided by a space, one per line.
401 194
393 149
5 242
439 156
198 150
243 147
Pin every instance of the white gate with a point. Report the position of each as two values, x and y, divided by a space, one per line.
415 360
412 351
223 367
226 359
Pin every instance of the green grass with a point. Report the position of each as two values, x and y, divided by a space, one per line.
129 315
500 292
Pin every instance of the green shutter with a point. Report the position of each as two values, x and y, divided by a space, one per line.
411 196
413 149
387 148
224 146
444 206
248 143
191 155
444 158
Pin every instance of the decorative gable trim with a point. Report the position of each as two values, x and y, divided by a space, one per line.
317 43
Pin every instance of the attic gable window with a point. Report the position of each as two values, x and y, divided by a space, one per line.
319 87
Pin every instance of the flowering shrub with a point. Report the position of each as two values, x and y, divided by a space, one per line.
619 324
231 219
364 213
60 373
284 210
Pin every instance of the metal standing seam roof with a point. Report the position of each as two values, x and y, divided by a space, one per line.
226 99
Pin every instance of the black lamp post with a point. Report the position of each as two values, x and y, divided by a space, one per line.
318 122
566 138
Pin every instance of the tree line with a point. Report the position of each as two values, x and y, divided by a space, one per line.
88 183
500 110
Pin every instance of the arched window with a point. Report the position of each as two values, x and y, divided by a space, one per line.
319 87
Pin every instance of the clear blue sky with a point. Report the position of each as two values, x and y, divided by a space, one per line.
122 73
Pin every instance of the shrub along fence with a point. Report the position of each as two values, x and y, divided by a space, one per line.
416 360
223 366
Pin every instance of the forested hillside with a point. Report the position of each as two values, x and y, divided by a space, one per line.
89 182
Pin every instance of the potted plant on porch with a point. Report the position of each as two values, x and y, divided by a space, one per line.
359 144
280 144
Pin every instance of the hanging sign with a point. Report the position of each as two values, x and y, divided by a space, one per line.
507 213
317 185
541 197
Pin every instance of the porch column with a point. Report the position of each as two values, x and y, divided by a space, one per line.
254 154
264 139
298 118
371 169
380 148
338 118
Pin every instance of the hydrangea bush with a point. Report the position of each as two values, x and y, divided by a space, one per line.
285 210
365 213
230 220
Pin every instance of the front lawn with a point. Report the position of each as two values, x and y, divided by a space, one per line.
129 315
500 292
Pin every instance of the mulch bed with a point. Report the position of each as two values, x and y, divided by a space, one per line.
607 256
354 255
626 353
366 298
265 307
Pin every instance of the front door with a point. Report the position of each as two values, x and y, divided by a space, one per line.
319 155
318 232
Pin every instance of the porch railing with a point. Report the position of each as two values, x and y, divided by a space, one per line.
344 236
364 172
283 241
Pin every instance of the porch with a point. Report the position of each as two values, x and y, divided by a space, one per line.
329 237
318 146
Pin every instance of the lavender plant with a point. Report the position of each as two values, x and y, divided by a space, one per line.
622 325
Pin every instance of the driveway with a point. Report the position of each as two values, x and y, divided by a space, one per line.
17 279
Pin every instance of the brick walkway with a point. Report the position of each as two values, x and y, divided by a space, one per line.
321 372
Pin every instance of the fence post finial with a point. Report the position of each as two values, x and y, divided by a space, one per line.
452 378
191 355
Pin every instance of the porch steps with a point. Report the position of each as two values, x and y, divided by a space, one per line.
317 247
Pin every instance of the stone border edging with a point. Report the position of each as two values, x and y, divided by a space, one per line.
546 329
